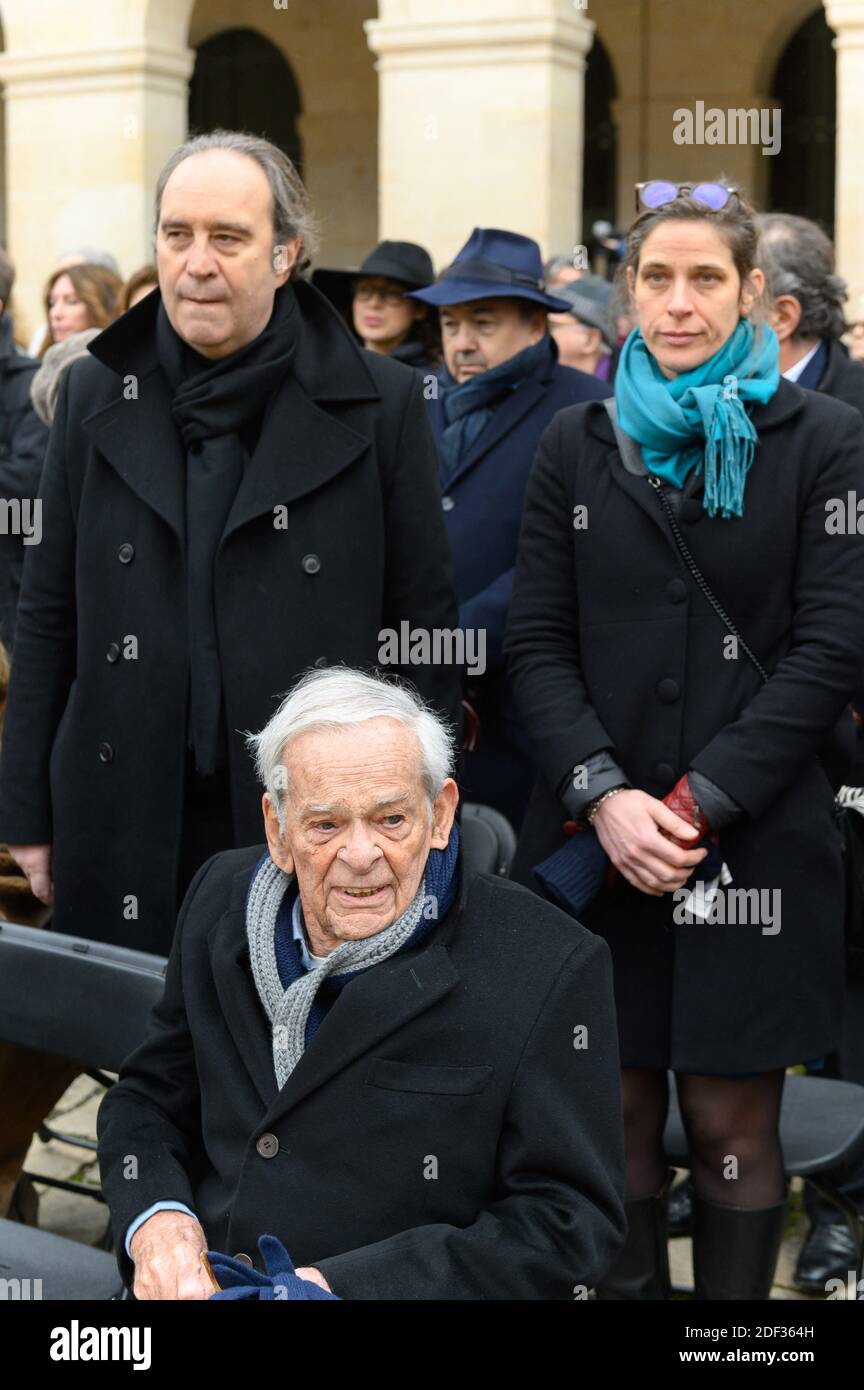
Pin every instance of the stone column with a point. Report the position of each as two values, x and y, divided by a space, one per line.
846 18
89 122
480 119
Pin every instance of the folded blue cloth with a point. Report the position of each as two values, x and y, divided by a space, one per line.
239 1281
573 876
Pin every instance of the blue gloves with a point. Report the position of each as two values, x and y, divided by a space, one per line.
237 1280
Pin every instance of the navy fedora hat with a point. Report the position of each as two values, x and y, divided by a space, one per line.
491 265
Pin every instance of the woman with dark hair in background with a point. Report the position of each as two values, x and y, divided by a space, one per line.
689 742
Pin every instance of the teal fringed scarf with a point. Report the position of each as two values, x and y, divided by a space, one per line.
699 418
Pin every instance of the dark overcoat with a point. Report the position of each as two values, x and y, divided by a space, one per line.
450 1131
482 504
23 441
842 377
335 534
612 645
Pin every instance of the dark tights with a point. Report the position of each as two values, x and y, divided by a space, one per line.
732 1129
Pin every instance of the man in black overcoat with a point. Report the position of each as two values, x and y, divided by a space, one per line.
405 1072
234 492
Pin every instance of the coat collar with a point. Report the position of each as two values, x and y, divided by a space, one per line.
300 447
329 364
786 402
375 1005
506 416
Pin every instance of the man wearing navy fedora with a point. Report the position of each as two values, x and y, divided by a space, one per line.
499 386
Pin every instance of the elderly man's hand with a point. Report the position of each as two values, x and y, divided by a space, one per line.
35 860
167 1252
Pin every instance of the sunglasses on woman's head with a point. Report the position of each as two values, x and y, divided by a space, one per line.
658 192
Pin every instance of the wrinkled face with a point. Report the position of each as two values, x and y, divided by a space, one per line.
67 314
687 294
576 341
484 333
215 254
382 314
358 828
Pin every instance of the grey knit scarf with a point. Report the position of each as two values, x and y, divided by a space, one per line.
288 1009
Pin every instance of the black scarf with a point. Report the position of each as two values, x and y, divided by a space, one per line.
215 405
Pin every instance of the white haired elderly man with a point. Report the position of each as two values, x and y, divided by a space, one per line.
406 1073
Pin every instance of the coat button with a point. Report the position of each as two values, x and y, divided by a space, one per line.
669 691
242 1258
665 772
676 590
320 661
268 1146
311 564
106 752
126 552
113 652
447 504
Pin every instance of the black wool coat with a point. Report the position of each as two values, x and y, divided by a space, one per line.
612 646
23 441
447 1134
335 534
842 377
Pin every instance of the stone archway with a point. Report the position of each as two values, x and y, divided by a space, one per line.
804 87
241 81
600 169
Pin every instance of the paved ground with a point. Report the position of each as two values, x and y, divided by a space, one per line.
81 1218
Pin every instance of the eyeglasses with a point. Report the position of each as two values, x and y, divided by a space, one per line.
657 192
387 293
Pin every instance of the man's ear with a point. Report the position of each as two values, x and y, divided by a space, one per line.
279 851
285 255
785 316
443 814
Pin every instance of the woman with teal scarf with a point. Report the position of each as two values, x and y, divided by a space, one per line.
679 778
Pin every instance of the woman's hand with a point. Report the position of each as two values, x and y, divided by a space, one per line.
633 828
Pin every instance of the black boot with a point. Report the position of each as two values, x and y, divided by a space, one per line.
641 1267
735 1249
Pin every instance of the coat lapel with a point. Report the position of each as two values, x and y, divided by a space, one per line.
504 419
368 1010
238 997
139 439
373 1006
301 448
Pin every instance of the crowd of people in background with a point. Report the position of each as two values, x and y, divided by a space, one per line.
603 703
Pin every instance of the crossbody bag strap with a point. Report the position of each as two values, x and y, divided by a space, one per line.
631 454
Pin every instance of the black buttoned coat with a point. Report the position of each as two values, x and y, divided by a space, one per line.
335 534
612 645
452 1131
